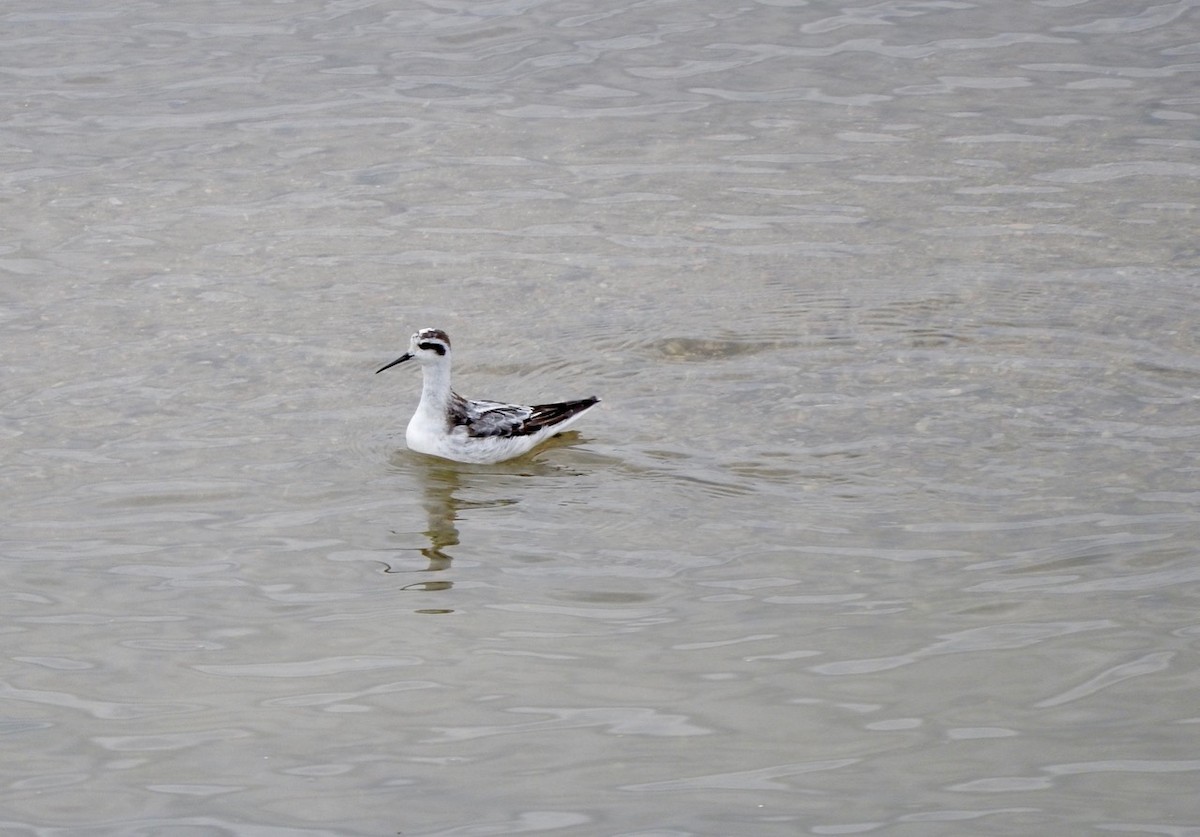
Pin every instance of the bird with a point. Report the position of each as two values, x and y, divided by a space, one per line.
449 426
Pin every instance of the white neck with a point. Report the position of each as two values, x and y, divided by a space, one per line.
435 387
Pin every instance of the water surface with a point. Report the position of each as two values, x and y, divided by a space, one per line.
887 523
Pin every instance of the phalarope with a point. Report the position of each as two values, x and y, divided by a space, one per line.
452 427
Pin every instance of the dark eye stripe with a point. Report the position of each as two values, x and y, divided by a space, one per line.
434 347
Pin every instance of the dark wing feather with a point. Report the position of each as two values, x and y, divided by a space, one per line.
491 418
548 415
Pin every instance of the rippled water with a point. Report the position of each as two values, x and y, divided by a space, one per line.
888 522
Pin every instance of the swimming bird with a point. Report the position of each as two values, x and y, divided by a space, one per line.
452 427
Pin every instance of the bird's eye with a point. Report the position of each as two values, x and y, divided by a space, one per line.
433 347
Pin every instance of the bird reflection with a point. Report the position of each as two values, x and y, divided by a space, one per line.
440 481
441 511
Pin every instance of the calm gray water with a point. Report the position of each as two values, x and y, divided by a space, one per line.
888 523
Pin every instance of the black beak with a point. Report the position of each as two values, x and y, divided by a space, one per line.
401 359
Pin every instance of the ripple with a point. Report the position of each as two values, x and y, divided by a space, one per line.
1150 18
108 710
1128 583
540 111
167 741
324 667
763 778
625 720
1147 664
793 94
998 138
1013 784
1102 172
990 638
334 698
